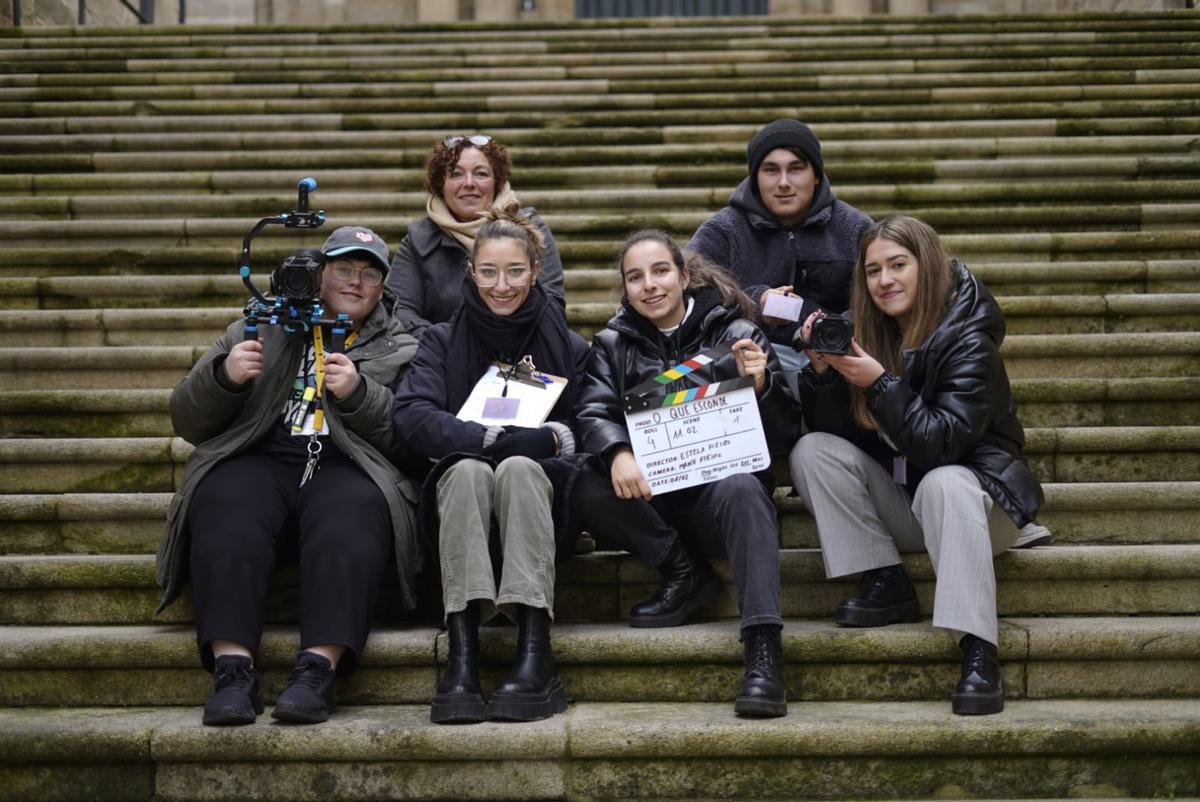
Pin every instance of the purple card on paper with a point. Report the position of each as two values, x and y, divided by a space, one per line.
501 408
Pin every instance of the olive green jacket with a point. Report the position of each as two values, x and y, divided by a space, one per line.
221 423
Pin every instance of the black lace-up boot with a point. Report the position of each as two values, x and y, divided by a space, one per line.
688 584
886 596
763 694
308 697
459 698
533 690
980 691
236 697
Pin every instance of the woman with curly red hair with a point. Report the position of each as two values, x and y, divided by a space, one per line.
466 176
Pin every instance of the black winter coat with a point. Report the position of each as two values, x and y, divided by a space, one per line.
951 405
625 354
424 421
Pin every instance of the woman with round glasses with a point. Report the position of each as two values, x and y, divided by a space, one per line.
466 176
498 492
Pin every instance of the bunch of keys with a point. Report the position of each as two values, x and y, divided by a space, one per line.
314 456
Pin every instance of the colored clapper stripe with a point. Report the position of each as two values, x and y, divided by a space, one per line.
705 390
686 367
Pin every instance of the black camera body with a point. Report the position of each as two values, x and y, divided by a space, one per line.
831 334
298 277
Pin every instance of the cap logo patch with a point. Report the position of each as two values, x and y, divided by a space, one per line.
364 236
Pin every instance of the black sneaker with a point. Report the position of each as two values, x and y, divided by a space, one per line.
308 698
236 697
886 597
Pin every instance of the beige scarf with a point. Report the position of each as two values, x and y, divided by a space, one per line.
439 213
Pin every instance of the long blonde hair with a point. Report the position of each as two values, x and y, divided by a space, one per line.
701 271
879 334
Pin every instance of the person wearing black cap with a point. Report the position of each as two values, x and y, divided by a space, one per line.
784 231
293 459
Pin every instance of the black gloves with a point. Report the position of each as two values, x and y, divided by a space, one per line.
519 441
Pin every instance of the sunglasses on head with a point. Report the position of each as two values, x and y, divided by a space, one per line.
478 140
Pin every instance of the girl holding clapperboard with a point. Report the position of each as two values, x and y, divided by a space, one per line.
674 310
489 396
915 445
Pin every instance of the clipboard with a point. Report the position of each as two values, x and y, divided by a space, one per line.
534 392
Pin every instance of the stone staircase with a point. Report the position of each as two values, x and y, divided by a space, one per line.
1059 155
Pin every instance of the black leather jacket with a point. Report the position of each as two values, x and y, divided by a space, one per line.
951 405
625 354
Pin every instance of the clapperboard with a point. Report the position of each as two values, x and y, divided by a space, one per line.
698 435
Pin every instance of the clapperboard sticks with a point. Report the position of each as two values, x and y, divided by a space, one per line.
649 395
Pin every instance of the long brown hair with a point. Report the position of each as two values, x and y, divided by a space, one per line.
701 271
880 335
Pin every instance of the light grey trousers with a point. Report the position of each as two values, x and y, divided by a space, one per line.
518 495
865 519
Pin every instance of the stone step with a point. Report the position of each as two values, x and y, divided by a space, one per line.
438 91
731 133
154 464
1140 290
1043 658
600 587
1043 748
1127 354
1045 402
1127 510
583 239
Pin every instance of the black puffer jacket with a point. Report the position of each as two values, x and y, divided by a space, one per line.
951 405
629 351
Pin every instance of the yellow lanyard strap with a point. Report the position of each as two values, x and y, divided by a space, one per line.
319 362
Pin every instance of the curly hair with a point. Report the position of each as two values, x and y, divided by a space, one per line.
442 158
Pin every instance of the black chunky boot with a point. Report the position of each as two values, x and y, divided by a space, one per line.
688 584
886 596
236 697
980 691
533 690
763 694
459 699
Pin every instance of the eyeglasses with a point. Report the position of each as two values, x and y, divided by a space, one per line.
478 140
488 277
369 276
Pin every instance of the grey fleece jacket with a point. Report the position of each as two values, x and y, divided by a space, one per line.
816 256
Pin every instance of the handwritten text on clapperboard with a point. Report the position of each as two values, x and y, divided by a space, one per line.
699 441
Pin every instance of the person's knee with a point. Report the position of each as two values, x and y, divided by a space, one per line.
815 452
742 491
947 482
519 472
464 478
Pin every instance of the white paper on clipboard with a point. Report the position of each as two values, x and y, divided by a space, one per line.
536 401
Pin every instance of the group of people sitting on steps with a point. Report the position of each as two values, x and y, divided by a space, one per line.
911 440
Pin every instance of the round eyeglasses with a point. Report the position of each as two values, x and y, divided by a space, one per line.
488 277
369 276
478 140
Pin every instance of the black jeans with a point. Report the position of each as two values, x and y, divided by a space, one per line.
732 518
249 514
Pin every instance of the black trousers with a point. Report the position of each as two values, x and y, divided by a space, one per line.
731 518
249 514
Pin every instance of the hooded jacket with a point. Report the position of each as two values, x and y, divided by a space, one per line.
628 352
816 256
429 266
951 405
222 423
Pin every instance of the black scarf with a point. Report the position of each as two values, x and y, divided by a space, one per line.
690 331
478 337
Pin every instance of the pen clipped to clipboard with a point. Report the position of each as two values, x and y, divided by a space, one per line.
512 395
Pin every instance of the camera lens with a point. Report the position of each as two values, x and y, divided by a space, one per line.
831 334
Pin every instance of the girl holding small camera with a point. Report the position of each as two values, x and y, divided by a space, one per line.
915 445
